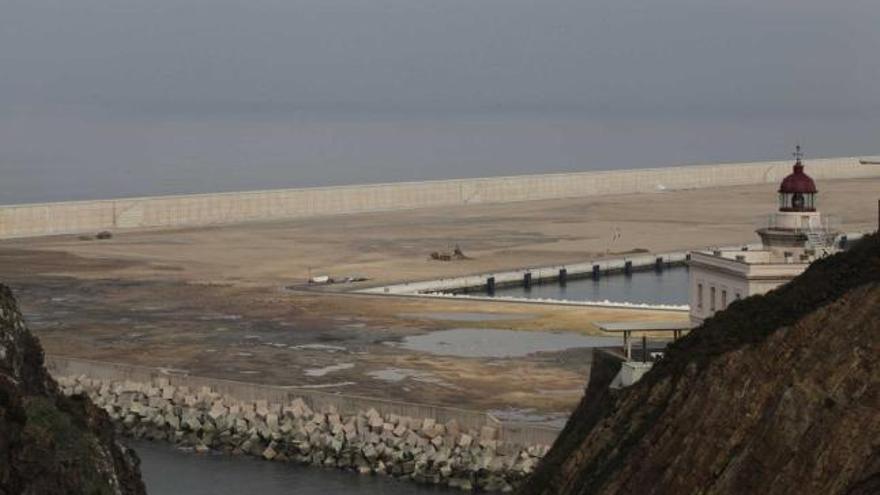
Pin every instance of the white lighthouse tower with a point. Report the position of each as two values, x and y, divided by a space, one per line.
791 238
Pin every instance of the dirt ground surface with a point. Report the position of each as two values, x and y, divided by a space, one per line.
232 301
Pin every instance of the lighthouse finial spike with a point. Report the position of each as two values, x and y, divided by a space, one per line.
798 154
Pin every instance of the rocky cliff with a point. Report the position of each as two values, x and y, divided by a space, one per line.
779 394
49 443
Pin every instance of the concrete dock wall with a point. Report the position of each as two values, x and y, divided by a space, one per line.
30 220
538 274
461 287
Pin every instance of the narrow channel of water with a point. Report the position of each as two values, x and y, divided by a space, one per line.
168 471
667 287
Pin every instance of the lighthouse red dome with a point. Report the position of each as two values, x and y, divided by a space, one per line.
798 182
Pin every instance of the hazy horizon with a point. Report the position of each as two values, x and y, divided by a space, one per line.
110 99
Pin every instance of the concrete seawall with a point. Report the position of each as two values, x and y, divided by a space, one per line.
31 220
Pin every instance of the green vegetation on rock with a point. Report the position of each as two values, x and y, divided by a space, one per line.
49 443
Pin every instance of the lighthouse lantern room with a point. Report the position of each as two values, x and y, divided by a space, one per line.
797 193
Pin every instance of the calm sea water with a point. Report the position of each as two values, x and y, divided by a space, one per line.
667 287
167 471
100 98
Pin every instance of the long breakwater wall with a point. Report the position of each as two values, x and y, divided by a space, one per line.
428 444
72 217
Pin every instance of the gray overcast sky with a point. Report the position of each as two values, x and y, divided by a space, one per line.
121 97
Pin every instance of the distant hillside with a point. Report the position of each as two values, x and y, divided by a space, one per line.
779 394
50 444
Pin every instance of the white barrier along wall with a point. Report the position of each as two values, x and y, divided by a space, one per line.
30 220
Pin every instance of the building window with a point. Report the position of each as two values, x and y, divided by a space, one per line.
738 296
712 299
723 299
700 297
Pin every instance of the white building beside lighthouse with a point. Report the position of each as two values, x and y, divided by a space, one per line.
791 238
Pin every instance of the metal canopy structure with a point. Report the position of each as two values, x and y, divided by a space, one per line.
627 328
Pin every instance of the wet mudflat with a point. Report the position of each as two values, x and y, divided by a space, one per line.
267 336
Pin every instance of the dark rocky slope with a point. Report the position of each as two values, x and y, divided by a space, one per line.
779 394
50 444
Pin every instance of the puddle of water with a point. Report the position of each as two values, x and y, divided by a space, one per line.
451 316
175 371
476 342
275 344
319 347
396 375
530 416
391 374
219 317
328 385
328 369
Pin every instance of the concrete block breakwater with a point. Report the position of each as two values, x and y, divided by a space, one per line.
419 449
207 209
453 447
509 432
